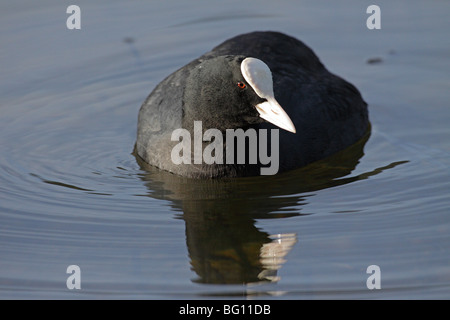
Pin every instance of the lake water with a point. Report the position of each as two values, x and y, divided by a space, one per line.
71 192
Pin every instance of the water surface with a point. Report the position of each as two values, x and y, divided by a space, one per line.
71 192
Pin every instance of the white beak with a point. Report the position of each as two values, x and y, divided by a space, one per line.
259 76
271 111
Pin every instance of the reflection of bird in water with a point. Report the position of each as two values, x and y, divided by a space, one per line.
273 255
224 244
249 263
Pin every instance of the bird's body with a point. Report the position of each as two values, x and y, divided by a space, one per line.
328 113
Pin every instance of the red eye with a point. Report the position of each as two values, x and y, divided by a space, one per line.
241 85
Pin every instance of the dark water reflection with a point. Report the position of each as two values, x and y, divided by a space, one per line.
224 245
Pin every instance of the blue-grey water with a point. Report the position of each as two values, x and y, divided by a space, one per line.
71 192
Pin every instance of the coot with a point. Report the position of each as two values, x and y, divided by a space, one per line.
259 103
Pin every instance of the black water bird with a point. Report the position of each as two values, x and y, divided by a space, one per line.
259 80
